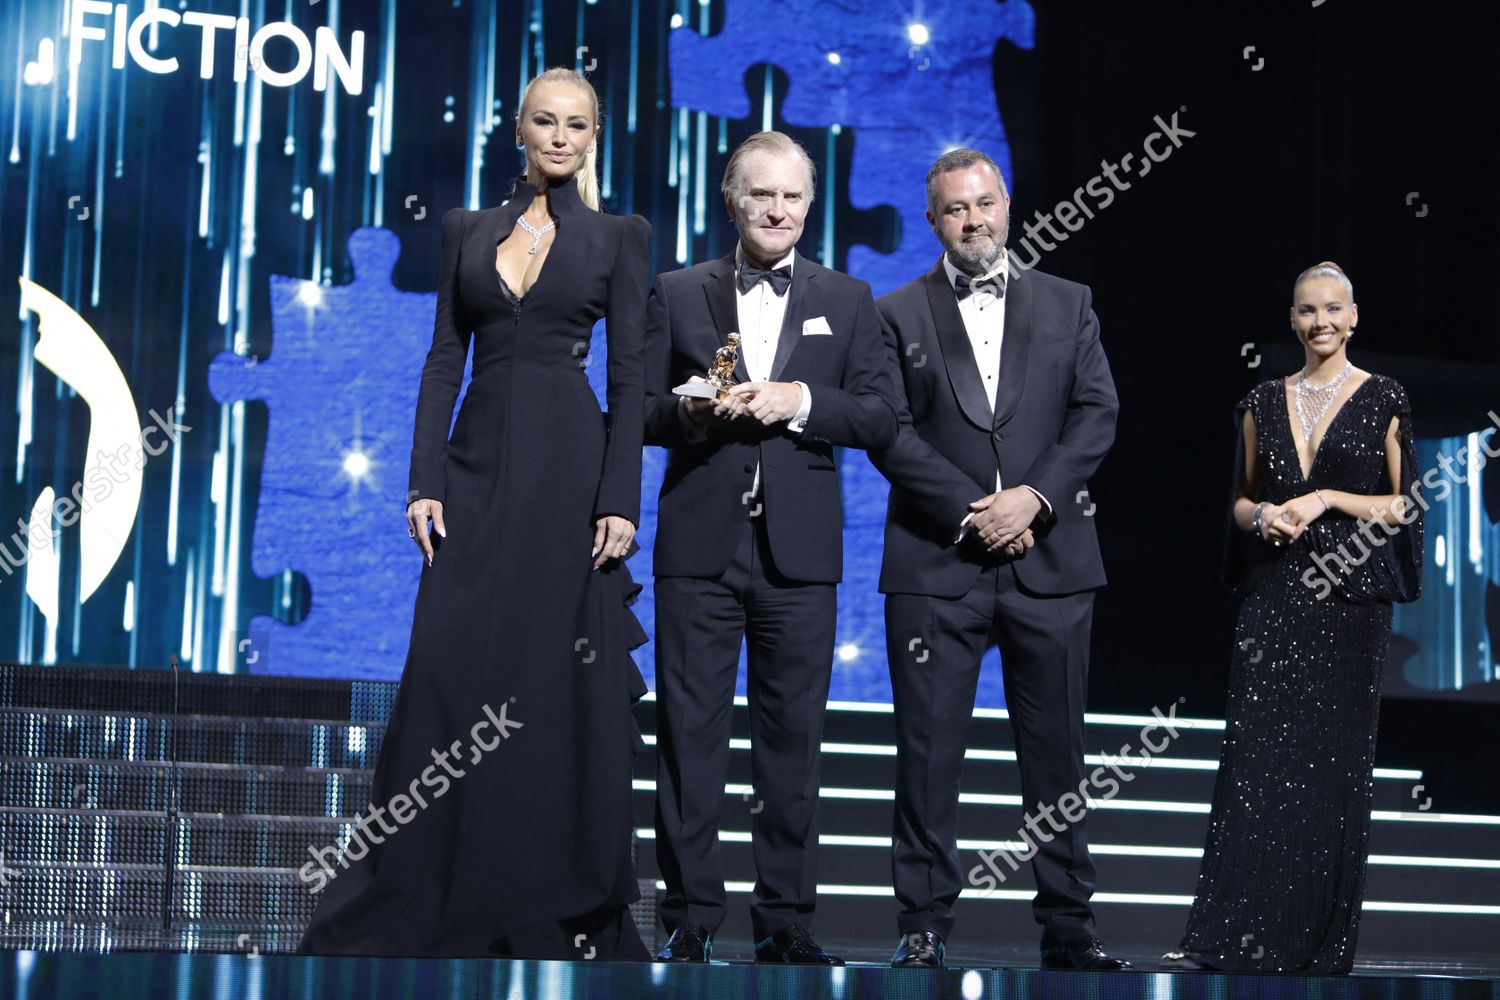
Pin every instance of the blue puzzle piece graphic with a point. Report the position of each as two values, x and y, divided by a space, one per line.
341 382
342 379
908 104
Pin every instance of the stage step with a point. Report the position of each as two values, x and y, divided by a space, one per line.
212 739
148 786
93 759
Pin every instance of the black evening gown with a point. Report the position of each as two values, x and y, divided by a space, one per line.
515 844
1283 872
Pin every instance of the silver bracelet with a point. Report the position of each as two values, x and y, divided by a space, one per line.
1255 520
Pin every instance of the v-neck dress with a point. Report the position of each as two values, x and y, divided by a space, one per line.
1283 871
522 842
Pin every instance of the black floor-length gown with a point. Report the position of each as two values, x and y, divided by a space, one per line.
522 845
1283 872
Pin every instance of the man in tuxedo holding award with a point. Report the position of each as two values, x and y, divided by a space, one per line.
749 540
1007 407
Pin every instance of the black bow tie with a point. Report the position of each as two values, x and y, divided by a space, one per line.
779 277
964 286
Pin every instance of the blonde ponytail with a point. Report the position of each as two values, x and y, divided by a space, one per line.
588 175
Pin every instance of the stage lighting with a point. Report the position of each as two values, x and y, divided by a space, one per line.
357 464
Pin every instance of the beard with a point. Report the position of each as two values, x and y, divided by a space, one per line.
976 257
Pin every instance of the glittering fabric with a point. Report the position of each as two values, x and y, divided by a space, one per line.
1283 872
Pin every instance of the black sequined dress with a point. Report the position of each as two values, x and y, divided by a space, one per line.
1283 872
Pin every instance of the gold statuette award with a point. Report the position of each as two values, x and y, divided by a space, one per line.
720 373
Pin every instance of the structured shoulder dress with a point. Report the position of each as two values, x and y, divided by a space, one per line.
512 724
1283 872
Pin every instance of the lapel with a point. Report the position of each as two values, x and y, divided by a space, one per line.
720 291
1015 345
958 355
799 297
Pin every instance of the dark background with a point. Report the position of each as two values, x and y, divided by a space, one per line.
1310 158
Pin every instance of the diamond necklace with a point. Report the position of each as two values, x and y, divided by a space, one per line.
536 234
1319 397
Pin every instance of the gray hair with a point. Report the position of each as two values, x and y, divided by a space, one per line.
767 142
1324 269
958 159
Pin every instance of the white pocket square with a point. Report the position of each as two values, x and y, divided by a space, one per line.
817 326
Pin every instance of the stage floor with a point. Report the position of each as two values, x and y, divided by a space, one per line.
182 976
104 834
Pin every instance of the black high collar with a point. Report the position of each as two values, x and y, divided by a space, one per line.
564 199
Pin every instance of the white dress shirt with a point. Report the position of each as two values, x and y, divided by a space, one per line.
760 312
984 321
983 314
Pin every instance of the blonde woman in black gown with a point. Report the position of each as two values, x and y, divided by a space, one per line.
512 723
1327 533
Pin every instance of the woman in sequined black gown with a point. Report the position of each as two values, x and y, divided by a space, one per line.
1283 872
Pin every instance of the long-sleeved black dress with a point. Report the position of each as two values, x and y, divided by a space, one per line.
1283 872
504 779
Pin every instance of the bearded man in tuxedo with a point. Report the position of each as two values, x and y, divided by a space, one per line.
1006 408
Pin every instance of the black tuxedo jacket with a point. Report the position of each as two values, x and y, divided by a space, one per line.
1053 422
704 497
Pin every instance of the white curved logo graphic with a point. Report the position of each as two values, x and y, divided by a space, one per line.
72 351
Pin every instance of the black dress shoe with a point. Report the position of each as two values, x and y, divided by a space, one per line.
688 943
918 950
795 946
1086 954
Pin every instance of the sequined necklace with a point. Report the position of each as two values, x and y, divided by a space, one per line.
536 234
1313 400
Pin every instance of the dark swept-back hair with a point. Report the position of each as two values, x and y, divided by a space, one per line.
958 159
